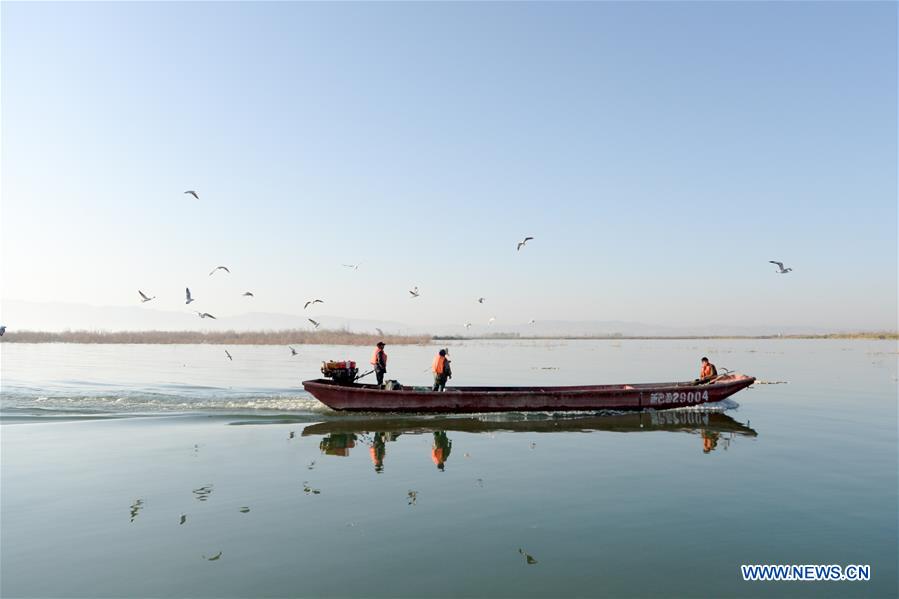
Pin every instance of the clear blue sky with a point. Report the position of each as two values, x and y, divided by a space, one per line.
660 154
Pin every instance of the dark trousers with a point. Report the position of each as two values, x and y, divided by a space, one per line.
379 374
439 383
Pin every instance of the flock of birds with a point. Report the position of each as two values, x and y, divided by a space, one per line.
414 293
188 298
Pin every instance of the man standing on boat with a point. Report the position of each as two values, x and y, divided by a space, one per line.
441 370
379 362
707 371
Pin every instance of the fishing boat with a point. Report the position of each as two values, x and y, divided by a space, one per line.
344 394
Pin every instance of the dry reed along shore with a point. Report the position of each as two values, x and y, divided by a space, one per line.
289 337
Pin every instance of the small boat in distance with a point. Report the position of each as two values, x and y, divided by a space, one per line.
460 400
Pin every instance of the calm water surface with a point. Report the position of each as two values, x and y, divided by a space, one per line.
106 449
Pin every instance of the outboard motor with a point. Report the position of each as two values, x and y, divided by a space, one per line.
342 373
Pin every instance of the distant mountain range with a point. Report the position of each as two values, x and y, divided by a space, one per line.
617 328
61 316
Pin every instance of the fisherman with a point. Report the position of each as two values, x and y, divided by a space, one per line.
379 362
707 372
441 370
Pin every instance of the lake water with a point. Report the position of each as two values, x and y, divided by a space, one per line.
171 471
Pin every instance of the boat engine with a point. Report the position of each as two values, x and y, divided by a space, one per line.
343 372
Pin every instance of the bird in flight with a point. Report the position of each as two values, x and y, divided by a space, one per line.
353 266
206 315
380 332
492 319
293 352
229 355
187 296
193 193
311 302
314 323
467 325
532 321
248 294
481 300
2 330
780 265
414 291
144 298
225 268
524 241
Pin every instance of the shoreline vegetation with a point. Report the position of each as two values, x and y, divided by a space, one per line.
344 337
616 337
285 337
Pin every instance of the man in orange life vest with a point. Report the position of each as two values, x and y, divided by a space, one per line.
707 371
441 370
379 362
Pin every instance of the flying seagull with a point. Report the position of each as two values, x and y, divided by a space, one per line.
206 315
467 325
229 355
481 300
521 243
315 301
414 292
380 332
492 318
144 298
532 321
187 296
314 323
2 330
225 268
248 294
353 266
193 193
780 265
293 352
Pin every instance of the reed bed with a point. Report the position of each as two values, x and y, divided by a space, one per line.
287 337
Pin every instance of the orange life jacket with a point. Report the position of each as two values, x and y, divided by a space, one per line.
439 364
374 357
706 371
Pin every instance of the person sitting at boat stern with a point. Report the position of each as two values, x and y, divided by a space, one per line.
379 362
441 370
707 372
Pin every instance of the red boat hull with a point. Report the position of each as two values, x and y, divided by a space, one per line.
458 400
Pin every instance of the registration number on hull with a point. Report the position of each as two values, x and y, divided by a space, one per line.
678 397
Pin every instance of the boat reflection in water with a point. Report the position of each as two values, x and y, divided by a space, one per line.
717 430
